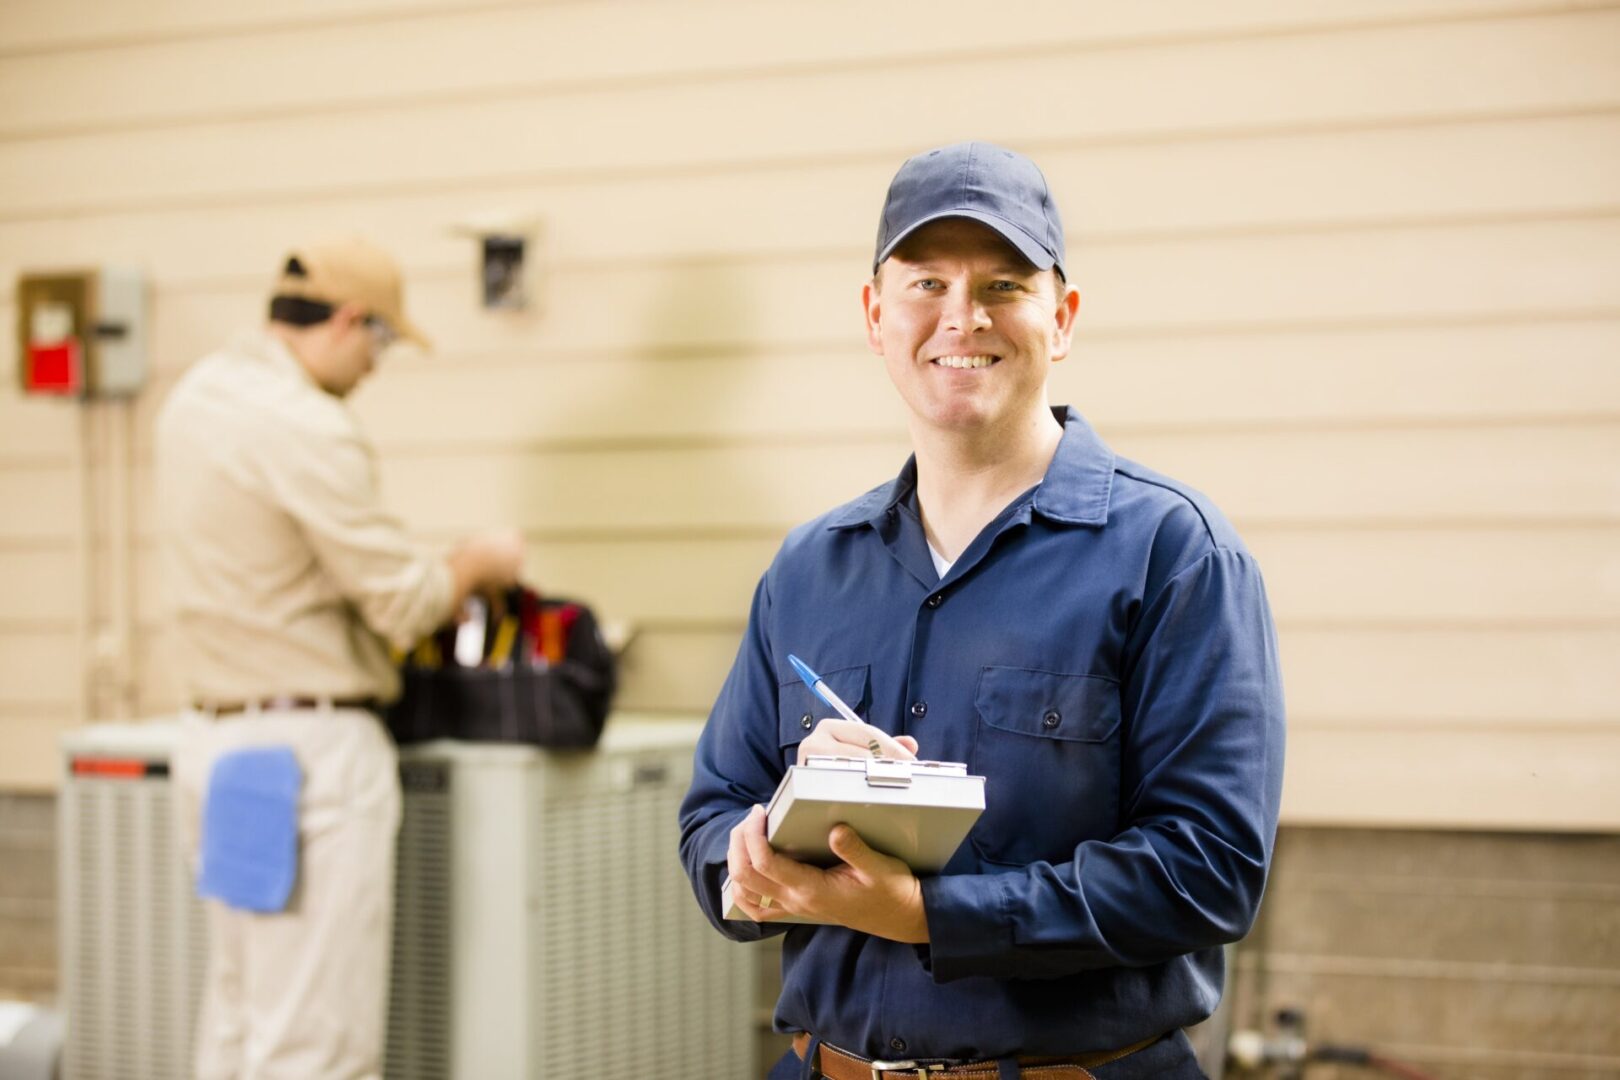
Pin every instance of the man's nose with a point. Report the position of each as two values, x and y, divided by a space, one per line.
965 312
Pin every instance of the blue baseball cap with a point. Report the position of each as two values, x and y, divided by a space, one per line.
980 181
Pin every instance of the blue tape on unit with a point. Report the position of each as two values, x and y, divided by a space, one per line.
249 857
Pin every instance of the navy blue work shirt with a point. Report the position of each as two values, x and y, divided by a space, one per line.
1103 654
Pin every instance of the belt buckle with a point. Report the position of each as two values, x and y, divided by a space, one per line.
882 1070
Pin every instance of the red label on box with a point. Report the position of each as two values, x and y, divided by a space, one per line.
55 369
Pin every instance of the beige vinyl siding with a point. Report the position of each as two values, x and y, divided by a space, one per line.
1353 269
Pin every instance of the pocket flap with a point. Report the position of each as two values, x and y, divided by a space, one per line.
796 701
1049 705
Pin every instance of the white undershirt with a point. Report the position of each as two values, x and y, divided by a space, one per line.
942 565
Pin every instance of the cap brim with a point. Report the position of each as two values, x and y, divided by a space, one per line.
408 331
1026 245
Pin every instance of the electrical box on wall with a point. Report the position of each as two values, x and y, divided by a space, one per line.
82 333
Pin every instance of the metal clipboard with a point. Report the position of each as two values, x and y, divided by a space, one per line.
917 811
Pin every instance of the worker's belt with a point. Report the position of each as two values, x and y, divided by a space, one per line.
283 704
836 1064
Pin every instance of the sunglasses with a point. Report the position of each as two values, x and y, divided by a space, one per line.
383 334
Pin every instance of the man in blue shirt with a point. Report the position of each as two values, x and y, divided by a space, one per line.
1091 637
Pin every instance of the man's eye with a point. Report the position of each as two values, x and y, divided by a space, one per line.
928 283
1005 286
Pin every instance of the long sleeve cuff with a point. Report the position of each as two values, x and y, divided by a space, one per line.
710 846
969 930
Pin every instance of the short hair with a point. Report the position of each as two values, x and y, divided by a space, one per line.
299 310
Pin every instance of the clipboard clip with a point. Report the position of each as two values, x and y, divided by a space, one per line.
887 772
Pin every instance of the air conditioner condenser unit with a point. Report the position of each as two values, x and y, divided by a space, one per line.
543 925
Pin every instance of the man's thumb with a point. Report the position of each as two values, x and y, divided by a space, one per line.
847 844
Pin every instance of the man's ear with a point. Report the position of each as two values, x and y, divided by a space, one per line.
348 314
872 307
1063 320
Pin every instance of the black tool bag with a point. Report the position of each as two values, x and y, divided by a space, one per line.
553 693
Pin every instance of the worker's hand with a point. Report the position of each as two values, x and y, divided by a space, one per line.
845 738
868 891
487 561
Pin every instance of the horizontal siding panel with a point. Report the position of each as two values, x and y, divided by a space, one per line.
1320 280
31 428
560 47
1398 274
1511 475
41 504
38 666
44 584
1550 64
35 25
595 400
663 580
32 25
1498 576
1535 167
1483 776
1526 475
1484 779
713 489
1451 679
679 672
1404 684
1441 678
1332 476
1452 375
1546 579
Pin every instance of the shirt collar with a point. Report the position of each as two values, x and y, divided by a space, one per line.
1080 479
1075 489
267 348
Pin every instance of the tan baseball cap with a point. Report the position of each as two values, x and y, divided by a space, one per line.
350 270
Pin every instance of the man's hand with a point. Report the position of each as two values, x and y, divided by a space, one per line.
869 891
485 561
843 738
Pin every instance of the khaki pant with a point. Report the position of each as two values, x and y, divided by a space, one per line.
302 993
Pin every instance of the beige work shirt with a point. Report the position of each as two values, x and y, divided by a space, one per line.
285 574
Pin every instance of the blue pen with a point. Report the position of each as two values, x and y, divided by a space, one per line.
822 690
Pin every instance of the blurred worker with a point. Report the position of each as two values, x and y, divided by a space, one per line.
288 582
1090 636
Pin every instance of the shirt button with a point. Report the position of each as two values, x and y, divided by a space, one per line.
934 601
1052 718
919 709
805 722
897 1044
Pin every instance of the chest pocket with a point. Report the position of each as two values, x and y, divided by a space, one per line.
799 710
1047 745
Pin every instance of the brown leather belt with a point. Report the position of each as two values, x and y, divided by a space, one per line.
282 704
836 1064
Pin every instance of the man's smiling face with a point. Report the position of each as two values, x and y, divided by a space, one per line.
967 328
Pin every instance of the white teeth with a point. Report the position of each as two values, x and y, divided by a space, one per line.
964 361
